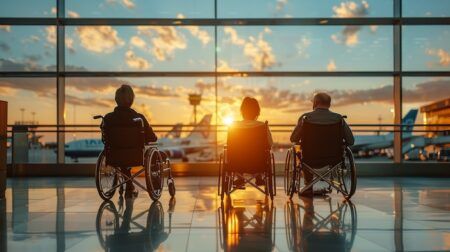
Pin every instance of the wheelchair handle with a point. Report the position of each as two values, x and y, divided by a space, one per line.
97 117
138 119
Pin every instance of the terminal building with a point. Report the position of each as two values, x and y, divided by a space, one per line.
205 125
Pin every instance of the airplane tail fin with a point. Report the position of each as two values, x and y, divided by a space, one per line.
409 120
175 132
202 129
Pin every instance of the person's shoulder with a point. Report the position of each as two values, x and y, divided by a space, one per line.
337 115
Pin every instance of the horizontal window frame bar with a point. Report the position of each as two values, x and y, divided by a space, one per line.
228 74
226 21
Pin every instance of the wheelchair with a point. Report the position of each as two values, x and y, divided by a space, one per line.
245 227
322 226
118 229
128 152
321 155
247 156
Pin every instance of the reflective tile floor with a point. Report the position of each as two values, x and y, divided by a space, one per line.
66 214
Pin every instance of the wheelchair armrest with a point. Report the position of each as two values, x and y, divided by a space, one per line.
151 144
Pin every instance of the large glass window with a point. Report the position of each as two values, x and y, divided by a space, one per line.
27 8
305 48
426 48
141 48
141 8
426 8
304 8
27 48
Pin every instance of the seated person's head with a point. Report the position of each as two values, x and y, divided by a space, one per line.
124 96
250 108
321 100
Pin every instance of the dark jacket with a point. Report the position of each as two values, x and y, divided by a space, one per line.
322 116
123 117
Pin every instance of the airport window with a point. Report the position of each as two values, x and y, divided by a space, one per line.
224 50
27 48
426 48
140 48
301 48
304 9
140 9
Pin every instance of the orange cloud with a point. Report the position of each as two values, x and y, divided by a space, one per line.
443 55
6 28
260 53
164 40
349 35
234 37
136 62
51 34
99 39
331 66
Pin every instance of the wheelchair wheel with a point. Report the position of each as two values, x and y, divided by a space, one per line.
348 175
155 225
107 221
154 173
106 178
290 173
171 186
348 224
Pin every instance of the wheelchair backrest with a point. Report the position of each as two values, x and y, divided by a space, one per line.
124 144
322 144
248 149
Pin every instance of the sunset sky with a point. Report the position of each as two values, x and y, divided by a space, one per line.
240 48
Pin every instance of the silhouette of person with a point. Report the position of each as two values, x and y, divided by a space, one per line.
321 114
123 116
250 111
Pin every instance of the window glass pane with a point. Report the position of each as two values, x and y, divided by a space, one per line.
426 8
284 99
160 100
27 8
430 97
426 48
142 48
305 48
304 8
27 48
141 8
32 101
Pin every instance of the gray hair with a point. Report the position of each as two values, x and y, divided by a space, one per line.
322 99
124 96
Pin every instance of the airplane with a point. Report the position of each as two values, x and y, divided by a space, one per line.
175 146
368 143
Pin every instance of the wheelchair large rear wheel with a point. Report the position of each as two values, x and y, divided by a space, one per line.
348 175
107 222
106 178
154 173
289 173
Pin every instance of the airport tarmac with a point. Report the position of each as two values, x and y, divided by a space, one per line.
66 214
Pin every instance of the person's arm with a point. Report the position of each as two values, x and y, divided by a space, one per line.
348 135
149 134
296 134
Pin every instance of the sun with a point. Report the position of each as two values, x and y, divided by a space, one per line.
228 120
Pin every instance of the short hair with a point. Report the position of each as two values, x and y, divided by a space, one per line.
322 99
124 96
250 108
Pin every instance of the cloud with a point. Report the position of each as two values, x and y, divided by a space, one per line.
349 9
443 55
198 33
281 4
224 67
138 42
164 40
90 101
234 37
6 28
99 39
69 44
257 50
302 47
51 34
128 3
331 66
73 14
136 62
4 47
260 53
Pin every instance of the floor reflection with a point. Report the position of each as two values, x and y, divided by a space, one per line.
118 228
247 227
330 228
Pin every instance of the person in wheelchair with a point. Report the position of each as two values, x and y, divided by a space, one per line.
123 116
322 115
250 111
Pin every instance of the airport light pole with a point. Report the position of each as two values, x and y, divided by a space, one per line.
194 100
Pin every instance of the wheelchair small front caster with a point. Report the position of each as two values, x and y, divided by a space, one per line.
171 185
